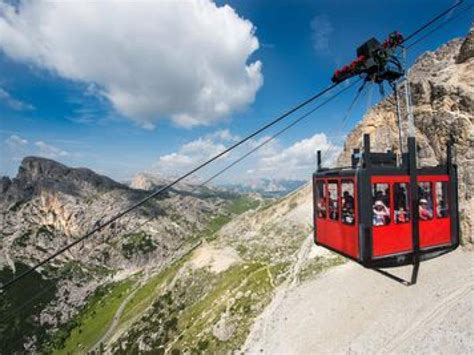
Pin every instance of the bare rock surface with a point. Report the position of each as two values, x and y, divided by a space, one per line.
354 310
467 48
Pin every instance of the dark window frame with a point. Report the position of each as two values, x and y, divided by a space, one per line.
447 210
325 199
431 195
388 220
407 202
354 201
338 200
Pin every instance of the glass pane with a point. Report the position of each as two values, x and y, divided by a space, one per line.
333 201
442 207
348 202
321 199
425 202
381 204
402 204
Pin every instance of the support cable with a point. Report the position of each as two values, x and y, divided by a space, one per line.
199 167
168 186
286 128
344 120
433 20
461 13
220 172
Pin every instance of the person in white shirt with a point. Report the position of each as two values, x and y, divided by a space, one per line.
381 213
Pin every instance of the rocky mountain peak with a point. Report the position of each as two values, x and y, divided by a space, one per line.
467 48
37 175
34 170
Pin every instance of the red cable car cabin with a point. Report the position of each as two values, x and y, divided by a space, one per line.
366 211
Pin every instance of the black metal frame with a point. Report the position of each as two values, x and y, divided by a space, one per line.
368 164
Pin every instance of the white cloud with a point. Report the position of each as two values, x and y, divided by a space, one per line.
298 160
273 161
50 151
16 148
224 135
15 141
188 156
321 29
185 60
13 103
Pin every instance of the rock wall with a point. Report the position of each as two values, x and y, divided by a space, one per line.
442 85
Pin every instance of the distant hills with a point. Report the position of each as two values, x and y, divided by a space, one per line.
266 187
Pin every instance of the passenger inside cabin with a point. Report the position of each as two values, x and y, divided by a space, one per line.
348 215
400 196
333 212
401 215
322 208
381 214
424 211
348 208
441 209
425 194
348 199
379 196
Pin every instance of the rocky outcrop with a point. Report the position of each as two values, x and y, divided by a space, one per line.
467 48
442 84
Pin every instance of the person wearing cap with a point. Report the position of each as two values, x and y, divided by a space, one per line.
381 213
424 211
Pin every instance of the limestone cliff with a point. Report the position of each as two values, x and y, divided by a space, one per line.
442 85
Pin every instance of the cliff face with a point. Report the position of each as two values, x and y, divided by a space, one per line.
49 204
467 49
442 85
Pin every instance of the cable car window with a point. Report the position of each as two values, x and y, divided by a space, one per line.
425 202
321 199
348 205
333 201
442 207
402 207
381 204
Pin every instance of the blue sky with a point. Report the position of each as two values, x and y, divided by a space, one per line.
95 113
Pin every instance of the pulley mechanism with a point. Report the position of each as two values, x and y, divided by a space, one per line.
379 62
376 61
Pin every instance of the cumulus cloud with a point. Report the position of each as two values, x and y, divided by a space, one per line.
224 135
273 160
197 151
299 160
321 29
188 156
13 103
183 60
